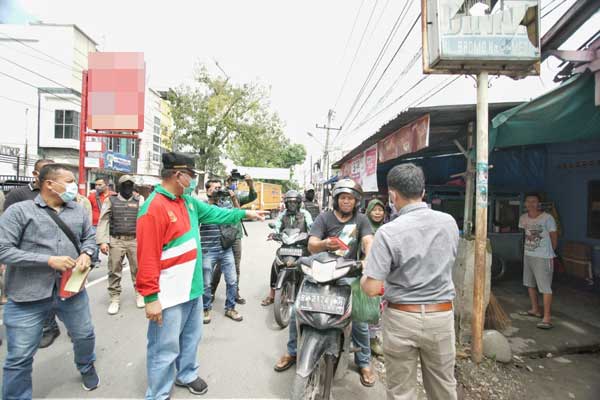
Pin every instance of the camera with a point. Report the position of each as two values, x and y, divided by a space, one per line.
235 175
221 193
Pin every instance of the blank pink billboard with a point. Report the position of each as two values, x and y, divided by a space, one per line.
116 88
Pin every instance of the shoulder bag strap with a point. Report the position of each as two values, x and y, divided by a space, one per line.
63 227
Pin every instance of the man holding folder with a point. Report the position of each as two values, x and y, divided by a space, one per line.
41 240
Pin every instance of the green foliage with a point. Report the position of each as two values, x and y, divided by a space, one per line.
216 118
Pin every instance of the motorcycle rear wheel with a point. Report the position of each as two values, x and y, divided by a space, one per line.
316 386
284 298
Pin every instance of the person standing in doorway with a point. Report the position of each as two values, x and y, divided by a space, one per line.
413 255
541 239
116 236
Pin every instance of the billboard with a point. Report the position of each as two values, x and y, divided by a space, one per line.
116 88
500 37
406 140
116 161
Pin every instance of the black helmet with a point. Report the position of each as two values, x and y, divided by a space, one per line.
346 185
292 197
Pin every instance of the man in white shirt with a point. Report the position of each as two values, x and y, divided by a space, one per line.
541 239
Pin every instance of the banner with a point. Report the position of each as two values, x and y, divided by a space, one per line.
363 169
408 139
117 161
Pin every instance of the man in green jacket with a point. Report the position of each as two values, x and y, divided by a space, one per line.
170 275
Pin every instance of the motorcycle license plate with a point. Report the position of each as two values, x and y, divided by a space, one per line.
290 252
317 301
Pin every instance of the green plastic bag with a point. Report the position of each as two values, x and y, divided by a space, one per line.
364 308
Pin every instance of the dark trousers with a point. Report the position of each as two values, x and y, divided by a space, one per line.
237 256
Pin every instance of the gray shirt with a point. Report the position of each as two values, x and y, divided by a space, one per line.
28 237
414 255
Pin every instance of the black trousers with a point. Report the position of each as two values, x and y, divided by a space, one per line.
237 256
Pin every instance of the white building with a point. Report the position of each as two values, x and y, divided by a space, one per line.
40 89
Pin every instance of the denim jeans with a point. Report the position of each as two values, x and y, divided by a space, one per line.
210 258
24 324
360 338
172 348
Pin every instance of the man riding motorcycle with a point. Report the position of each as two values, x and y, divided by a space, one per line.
293 217
341 231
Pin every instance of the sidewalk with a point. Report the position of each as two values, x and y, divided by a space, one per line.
575 315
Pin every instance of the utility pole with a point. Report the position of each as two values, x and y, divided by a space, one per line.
328 128
480 218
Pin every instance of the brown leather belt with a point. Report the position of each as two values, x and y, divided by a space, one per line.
417 308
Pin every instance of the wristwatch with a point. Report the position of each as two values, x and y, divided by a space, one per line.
88 252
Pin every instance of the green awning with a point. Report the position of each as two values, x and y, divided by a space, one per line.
565 114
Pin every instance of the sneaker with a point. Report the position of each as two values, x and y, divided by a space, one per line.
234 315
207 317
48 338
113 308
240 300
139 301
196 387
90 379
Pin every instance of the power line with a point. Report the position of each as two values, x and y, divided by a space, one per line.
24 103
74 70
545 7
35 73
355 54
427 96
39 88
38 50
352 31
386 69
555 8
378 60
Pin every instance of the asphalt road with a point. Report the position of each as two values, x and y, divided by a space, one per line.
236 358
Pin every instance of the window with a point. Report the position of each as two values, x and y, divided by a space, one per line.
156 139
66 124
156 148
133 148
155 157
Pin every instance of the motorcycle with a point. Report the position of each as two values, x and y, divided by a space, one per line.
323 317
293 246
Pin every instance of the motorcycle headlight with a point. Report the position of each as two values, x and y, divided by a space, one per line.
323 272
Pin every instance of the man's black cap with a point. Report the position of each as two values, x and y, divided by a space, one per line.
175 160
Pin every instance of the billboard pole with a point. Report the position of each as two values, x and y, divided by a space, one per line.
82 132
481 218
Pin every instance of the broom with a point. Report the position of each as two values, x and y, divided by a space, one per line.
495 316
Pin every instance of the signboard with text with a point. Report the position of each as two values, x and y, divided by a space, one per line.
363 169
117 161
481 35
406 140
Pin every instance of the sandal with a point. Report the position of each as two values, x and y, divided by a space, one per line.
529 314
267 301
285 363
545 325
367 377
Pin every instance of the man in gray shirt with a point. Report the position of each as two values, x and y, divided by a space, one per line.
37 250
413 257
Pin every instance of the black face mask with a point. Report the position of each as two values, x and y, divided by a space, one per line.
310 196
126 191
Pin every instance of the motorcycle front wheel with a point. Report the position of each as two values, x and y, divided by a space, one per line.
284 298
316 386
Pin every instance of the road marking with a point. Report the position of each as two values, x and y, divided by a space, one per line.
97 281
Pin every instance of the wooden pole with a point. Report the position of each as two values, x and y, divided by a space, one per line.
480 218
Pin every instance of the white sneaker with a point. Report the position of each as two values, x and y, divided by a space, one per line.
139 301
113 308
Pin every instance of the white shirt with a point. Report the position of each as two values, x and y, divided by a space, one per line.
537 235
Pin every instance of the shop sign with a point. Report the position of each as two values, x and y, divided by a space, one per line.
9 151
363 169
117 161
406 140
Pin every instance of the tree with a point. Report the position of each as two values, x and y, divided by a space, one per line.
216 118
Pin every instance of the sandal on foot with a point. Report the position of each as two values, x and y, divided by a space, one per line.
367 377
545 325
285 363
529 314
267 301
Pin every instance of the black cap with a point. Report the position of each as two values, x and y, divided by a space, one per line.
175 160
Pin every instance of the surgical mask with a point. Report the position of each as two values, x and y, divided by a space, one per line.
70 192
391 203
190 189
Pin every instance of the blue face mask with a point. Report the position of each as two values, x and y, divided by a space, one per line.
70 192
190 189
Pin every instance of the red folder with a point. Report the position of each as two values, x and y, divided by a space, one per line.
64 279
343 246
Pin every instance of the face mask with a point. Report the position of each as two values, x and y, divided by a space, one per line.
310 196
126 191
70 191
190 189
391 203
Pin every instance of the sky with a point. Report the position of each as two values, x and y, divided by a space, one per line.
303 51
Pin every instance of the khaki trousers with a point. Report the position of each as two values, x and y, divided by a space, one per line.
119 248
428 336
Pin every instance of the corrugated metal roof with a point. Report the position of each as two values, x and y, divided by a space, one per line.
447 123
